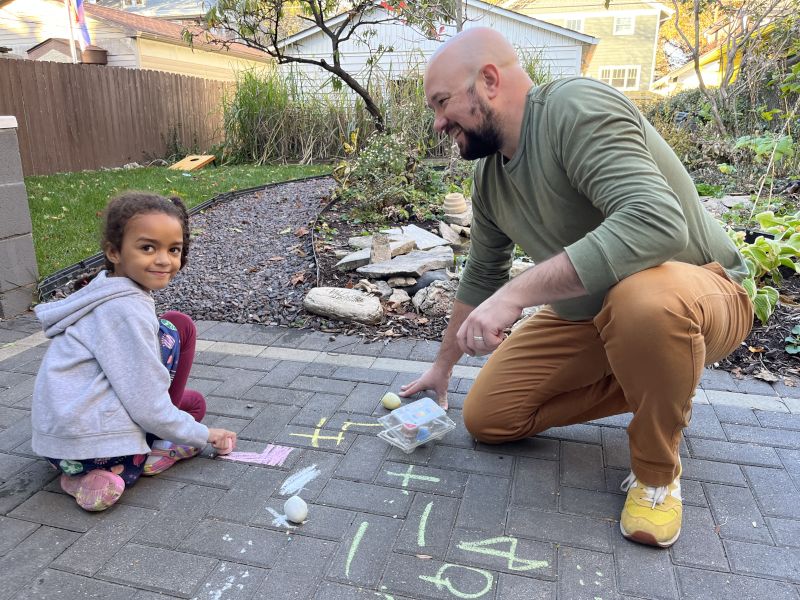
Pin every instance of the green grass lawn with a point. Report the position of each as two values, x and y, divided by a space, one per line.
65 208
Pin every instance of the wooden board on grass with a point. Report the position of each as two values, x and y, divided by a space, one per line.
193 162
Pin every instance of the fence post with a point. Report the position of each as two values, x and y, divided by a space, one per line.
18 271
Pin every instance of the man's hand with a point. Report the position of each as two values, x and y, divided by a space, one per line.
223 440
483 330
433 379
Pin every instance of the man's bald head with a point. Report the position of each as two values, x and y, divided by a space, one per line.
468 51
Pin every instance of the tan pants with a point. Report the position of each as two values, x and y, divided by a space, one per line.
643 353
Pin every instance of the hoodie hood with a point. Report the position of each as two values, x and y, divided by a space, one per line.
57 316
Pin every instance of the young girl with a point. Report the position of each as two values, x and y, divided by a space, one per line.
113 380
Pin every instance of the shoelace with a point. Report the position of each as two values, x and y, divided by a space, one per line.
655 494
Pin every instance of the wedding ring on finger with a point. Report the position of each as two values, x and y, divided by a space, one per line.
477 338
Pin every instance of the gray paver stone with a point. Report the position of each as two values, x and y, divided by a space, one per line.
323 384
314 468
767 561
715 472
151 492
320 407
57 510
535 483
603 505
502 553
567 530
747 454
362 555
363 460
424 578
237 382
176 520
428 526
248 496
234 542
712 379
696 583
158 569
270 423
14 531
19 566
284 373
582 432
25 484
316 437
399 348
582 466
57 584
273 395
324 522
11 464
514 587
423 479
704 423
297 570
643 571
736 415
366 375
232 581
483 506
736 514
111 532
377 499
699 545
472 461
261 364
775 492
206 471
364 398
329 590
585 575
763 436
776 420
786 532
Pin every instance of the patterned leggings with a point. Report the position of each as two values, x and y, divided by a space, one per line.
177 336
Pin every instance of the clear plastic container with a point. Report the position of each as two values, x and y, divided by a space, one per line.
414 424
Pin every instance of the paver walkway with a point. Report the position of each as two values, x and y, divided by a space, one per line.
532 520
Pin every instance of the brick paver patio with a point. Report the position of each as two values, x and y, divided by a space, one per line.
455 519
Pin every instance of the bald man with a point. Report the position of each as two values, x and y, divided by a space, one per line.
641 285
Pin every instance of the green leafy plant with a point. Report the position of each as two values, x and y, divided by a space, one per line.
708 189
387 182
793 341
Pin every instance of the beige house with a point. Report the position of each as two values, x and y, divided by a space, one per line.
628 34
119 39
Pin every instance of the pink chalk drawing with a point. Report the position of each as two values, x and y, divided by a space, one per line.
273 456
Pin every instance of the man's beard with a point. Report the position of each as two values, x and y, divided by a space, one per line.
483 140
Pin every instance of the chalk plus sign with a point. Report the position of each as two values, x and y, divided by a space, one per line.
408 475
315 437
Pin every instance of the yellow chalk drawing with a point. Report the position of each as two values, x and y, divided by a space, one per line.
445 583
481 547
407 476
315 437
346 425
423 521
354 546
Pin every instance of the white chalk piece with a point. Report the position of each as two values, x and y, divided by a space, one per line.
296 509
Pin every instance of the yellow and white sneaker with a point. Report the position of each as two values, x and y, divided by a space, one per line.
651 515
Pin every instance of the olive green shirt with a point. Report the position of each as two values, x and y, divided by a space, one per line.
593 178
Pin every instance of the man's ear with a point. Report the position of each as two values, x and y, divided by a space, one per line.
490 75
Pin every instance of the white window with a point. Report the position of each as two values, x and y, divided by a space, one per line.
624 25
574 24
622 77
133 2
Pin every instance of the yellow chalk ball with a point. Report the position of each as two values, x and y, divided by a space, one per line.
390 401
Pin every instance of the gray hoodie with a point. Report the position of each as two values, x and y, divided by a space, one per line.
101 384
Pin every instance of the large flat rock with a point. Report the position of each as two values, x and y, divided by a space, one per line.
344 304
412 264
425 239
361 257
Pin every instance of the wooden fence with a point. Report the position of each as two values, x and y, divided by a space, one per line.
79 117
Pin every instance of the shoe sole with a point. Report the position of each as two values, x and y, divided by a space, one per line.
646 538
95 500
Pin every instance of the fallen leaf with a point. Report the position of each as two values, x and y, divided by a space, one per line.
298 277
275 258
755 349
789 382
766 375
301 231
284 231
349 285
424 556
737 373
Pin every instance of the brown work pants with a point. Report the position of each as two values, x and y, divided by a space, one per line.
643 353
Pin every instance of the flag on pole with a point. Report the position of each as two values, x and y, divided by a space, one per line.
79 19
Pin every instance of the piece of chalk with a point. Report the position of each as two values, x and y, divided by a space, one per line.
295 509
390 401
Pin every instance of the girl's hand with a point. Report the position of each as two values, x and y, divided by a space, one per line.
223 440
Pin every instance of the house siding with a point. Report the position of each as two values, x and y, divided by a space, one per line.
636 49
170 58
558 53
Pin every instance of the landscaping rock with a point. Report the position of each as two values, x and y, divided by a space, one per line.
425 239
353 260
428 278
398 298
379 250
436 300
463 219
377 288
401 282
344 304
365 241
519 266
414 263
449 234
